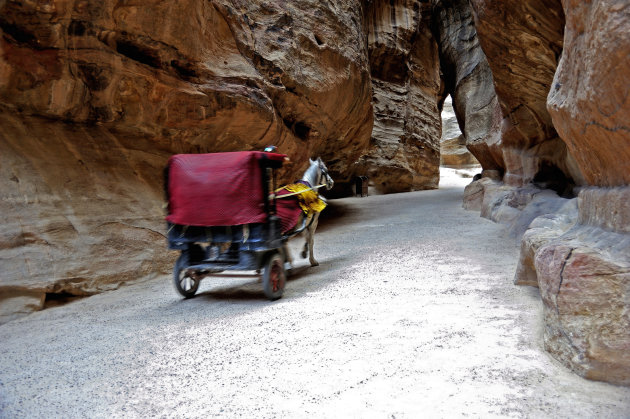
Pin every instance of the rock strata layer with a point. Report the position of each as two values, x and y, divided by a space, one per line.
194 75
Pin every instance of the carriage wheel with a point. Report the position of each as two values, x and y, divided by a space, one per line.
185 284
274 277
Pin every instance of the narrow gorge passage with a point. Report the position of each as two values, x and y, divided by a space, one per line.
411 312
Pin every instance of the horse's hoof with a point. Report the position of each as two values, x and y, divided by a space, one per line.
314 263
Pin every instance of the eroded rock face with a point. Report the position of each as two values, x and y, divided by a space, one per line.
577 251
82 211
588 101
577 257
210 76
404 153
453 151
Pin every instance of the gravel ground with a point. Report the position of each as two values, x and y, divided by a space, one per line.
412 313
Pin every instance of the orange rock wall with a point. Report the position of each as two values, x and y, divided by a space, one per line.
210 76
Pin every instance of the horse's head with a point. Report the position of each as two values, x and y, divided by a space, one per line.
323 177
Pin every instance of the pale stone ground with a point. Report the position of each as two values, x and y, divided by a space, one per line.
412 313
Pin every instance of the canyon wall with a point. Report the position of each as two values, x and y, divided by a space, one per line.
561 75
404 153
523 42
468 79
453 150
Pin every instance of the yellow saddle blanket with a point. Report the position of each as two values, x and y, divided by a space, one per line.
307 198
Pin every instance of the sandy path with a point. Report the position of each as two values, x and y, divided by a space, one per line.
412 313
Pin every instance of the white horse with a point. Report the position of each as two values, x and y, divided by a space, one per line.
315 176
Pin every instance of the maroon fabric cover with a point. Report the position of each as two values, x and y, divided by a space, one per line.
288 209
218 189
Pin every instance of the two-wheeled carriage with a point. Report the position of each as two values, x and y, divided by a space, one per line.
222 217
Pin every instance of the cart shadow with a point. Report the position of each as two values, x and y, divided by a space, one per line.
242 292
251 290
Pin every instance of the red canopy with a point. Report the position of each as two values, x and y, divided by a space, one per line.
218 189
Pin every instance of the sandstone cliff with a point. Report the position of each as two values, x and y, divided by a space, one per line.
453 150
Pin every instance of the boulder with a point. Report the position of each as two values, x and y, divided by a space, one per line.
541 231
584 280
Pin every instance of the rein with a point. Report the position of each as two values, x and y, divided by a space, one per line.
294 193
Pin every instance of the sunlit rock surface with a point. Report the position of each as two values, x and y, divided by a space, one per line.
453 151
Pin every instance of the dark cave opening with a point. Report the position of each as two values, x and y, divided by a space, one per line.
138 53
299 128
551 177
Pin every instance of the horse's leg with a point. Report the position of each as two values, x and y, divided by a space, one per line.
305 233
288 262
310 236
304 251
